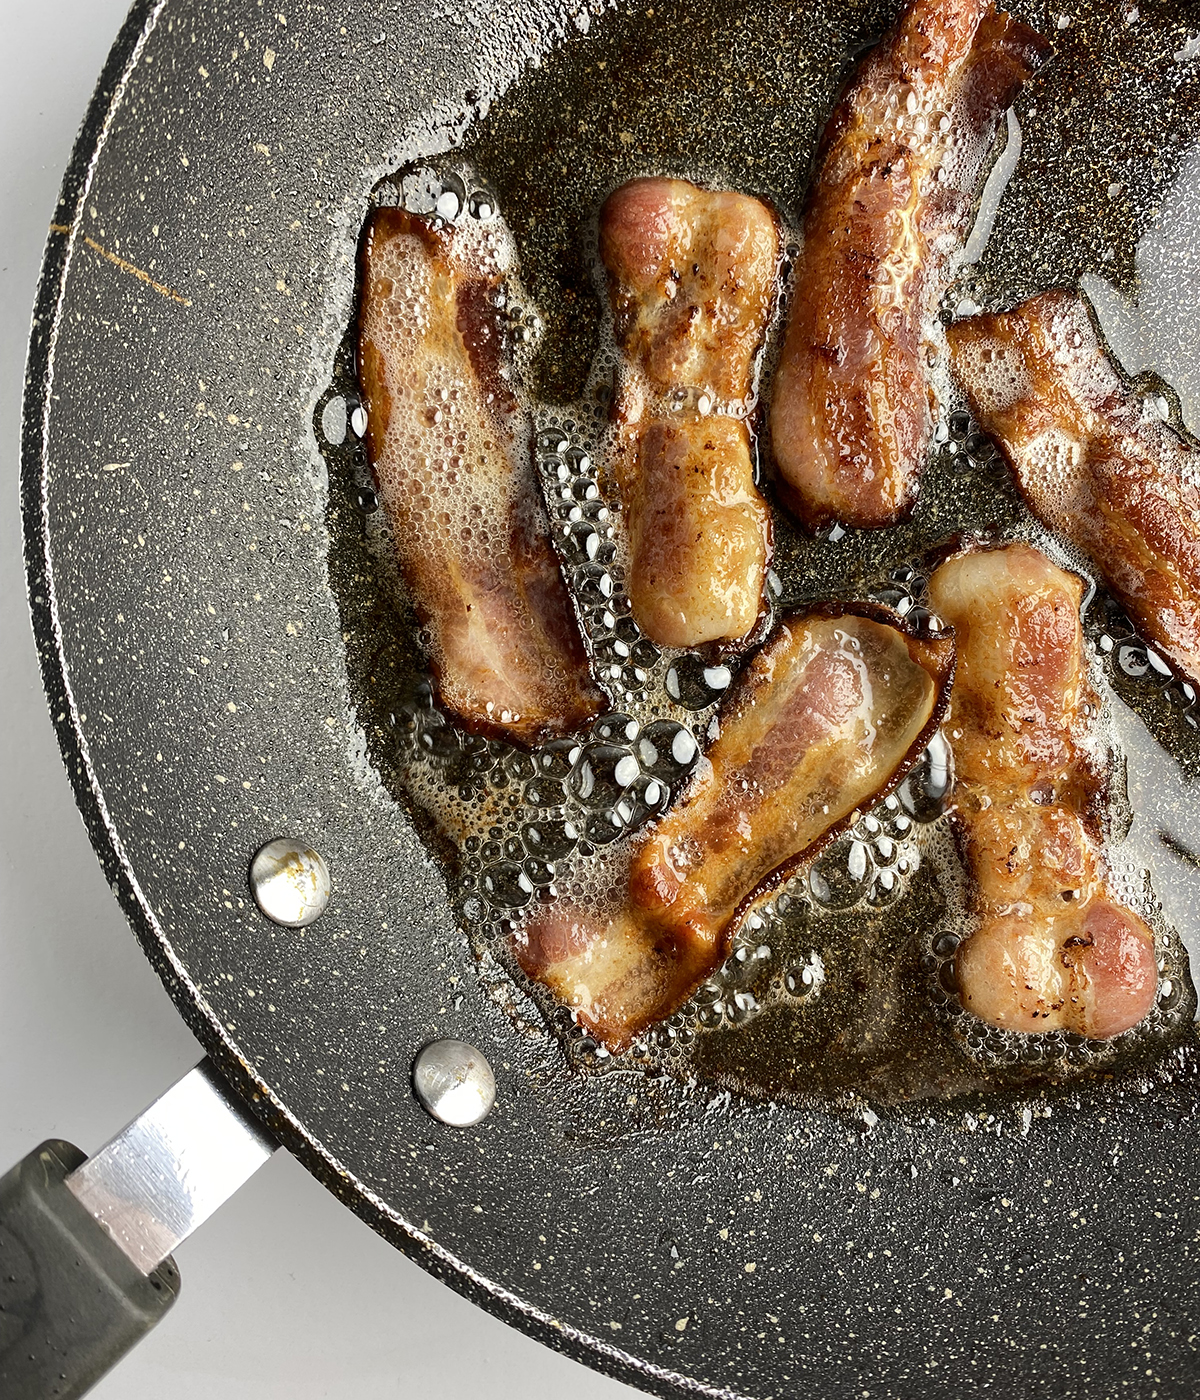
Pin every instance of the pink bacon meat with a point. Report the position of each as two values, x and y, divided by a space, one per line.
1055 948
452 453
831 713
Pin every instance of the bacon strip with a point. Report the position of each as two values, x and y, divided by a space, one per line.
823 721
692 276
452 454
893 201
1055 948
1123 489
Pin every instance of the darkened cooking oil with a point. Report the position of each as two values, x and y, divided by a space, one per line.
843 985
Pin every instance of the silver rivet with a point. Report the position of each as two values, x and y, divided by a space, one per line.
290 882
454 1083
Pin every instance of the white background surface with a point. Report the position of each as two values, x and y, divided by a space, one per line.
285 1293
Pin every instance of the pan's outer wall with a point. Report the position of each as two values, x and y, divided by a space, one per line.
175 516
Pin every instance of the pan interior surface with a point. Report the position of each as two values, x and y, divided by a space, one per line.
209 619
875 925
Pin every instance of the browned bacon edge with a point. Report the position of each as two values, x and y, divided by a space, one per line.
634 234
1125 502
850 408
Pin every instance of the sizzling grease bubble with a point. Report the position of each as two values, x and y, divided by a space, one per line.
506 885
581 542
667 750
633 679
806 978
544 792
857 861
601 775
885 889
648 797
837 879
593 583
518 764
1133 660
695 684
626 770
644 654
440 743
478 755
603 827
1156 663
926 791
616 729
449 204
556 759
923 622
945 945
613 649
538 872
741 1007
551 840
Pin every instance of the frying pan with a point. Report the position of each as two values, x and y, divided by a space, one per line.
682 1241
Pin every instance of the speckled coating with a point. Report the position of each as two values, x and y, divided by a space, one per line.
197 282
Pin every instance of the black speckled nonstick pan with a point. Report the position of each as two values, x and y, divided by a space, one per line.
185 541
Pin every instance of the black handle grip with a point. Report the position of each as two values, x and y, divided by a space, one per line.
71 1302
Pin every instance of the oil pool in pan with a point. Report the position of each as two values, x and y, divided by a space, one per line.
843 987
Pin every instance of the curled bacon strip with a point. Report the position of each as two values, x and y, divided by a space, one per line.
692 276
452 454
1055 948
830 714
892 202
1092 466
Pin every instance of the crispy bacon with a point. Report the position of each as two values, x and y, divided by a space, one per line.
692 277
699 531
892 202
828 716
1055 947
452 453
1121 487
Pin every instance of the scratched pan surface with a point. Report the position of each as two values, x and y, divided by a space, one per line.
181 525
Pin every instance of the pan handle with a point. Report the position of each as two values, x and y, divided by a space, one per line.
72 1302
85 1243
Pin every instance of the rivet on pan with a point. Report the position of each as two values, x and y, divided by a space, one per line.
290 882
454 1083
